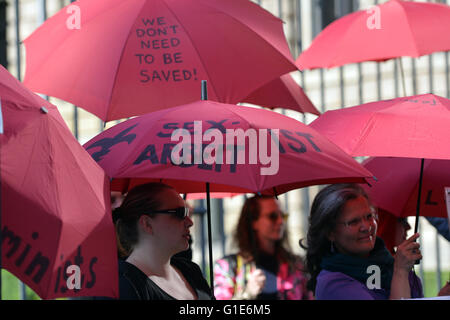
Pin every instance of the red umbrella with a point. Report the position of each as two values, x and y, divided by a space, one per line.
398 182
132 57
57 233
412 127
390 30
141 148
282 92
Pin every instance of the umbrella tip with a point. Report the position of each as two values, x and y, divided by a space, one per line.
44 110
375 178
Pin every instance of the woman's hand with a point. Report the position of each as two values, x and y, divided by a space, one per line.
407 254
405 257
255 283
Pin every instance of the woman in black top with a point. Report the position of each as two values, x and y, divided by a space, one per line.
152 225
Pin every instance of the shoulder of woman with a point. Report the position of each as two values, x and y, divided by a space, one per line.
131 281
338 286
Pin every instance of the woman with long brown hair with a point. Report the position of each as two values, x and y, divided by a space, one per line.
264 267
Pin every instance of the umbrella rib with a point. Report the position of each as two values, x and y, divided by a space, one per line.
74 156
195 48
344 37
259 36
119 60
410 30
364 133
241 23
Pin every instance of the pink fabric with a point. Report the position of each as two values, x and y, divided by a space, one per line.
291 285
393 29
414 127
396 188
133 57
139 150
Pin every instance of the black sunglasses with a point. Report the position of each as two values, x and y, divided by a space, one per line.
273 216
180 212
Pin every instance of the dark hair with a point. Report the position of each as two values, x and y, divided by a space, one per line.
140 199
245 236
326 207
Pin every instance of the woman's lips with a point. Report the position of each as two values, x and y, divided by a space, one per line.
366 238
187 236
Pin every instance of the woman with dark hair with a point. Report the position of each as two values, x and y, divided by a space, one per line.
152 225
264 268
345 258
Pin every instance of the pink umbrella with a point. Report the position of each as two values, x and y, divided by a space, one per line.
141 148
55 214
393 29
398 182
412 127
126 58
282 92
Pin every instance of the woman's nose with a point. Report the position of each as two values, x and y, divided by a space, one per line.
365 225
188 221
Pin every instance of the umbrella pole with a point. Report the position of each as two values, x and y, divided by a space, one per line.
208 209
416 227
402 75
211 266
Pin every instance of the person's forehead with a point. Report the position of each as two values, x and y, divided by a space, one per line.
356 207
171 196
268 204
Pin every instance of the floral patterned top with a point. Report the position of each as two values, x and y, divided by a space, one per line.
231 273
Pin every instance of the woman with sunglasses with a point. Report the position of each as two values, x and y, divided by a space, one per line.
264 268
152 225
345 258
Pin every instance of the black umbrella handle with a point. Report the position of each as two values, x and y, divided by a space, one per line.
416 227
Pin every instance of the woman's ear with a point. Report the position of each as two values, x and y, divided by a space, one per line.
146 224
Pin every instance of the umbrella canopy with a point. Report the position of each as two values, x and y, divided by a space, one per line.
282 92
397 186
132 57
57 233
414 127
141 148
214 195
393 29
